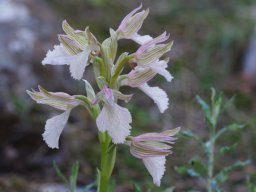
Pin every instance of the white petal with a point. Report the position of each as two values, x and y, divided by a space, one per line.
141 39
156 168
163 72
158 95
78 64
57 56
115 120
53 129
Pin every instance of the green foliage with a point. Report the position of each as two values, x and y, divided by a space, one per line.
251 187
206 171
222 176
71 182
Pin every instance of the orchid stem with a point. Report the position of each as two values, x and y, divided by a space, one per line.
211 158
104 172
107 159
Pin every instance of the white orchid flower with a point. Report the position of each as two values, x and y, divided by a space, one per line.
131 24
74 50
55 125
152 149
113 118
148 65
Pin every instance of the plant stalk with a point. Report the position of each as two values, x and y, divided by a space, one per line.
105 155
107 158
211 160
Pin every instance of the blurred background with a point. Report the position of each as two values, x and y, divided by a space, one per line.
214 46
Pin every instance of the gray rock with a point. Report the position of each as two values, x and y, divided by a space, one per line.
27 30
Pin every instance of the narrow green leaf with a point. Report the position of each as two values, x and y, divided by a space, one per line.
227 149
98 180
88 188
181 169
231 127
198 167
207 146
213 95
216 108
136 187
60 174
185 170
215 186
206 109
193 173
73 177
190 134
222 176
111 160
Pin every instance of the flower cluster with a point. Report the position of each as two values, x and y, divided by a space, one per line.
79 49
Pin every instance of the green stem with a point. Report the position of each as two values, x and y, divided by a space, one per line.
108 157
119 69
105 173
211 160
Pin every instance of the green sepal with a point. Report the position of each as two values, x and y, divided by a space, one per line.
69 45
113 45
89 90
79 37
108 64
92 41
154 53
101 82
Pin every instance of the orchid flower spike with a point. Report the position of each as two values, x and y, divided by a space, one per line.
113 118
152 149
131 24
74 50
55 125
